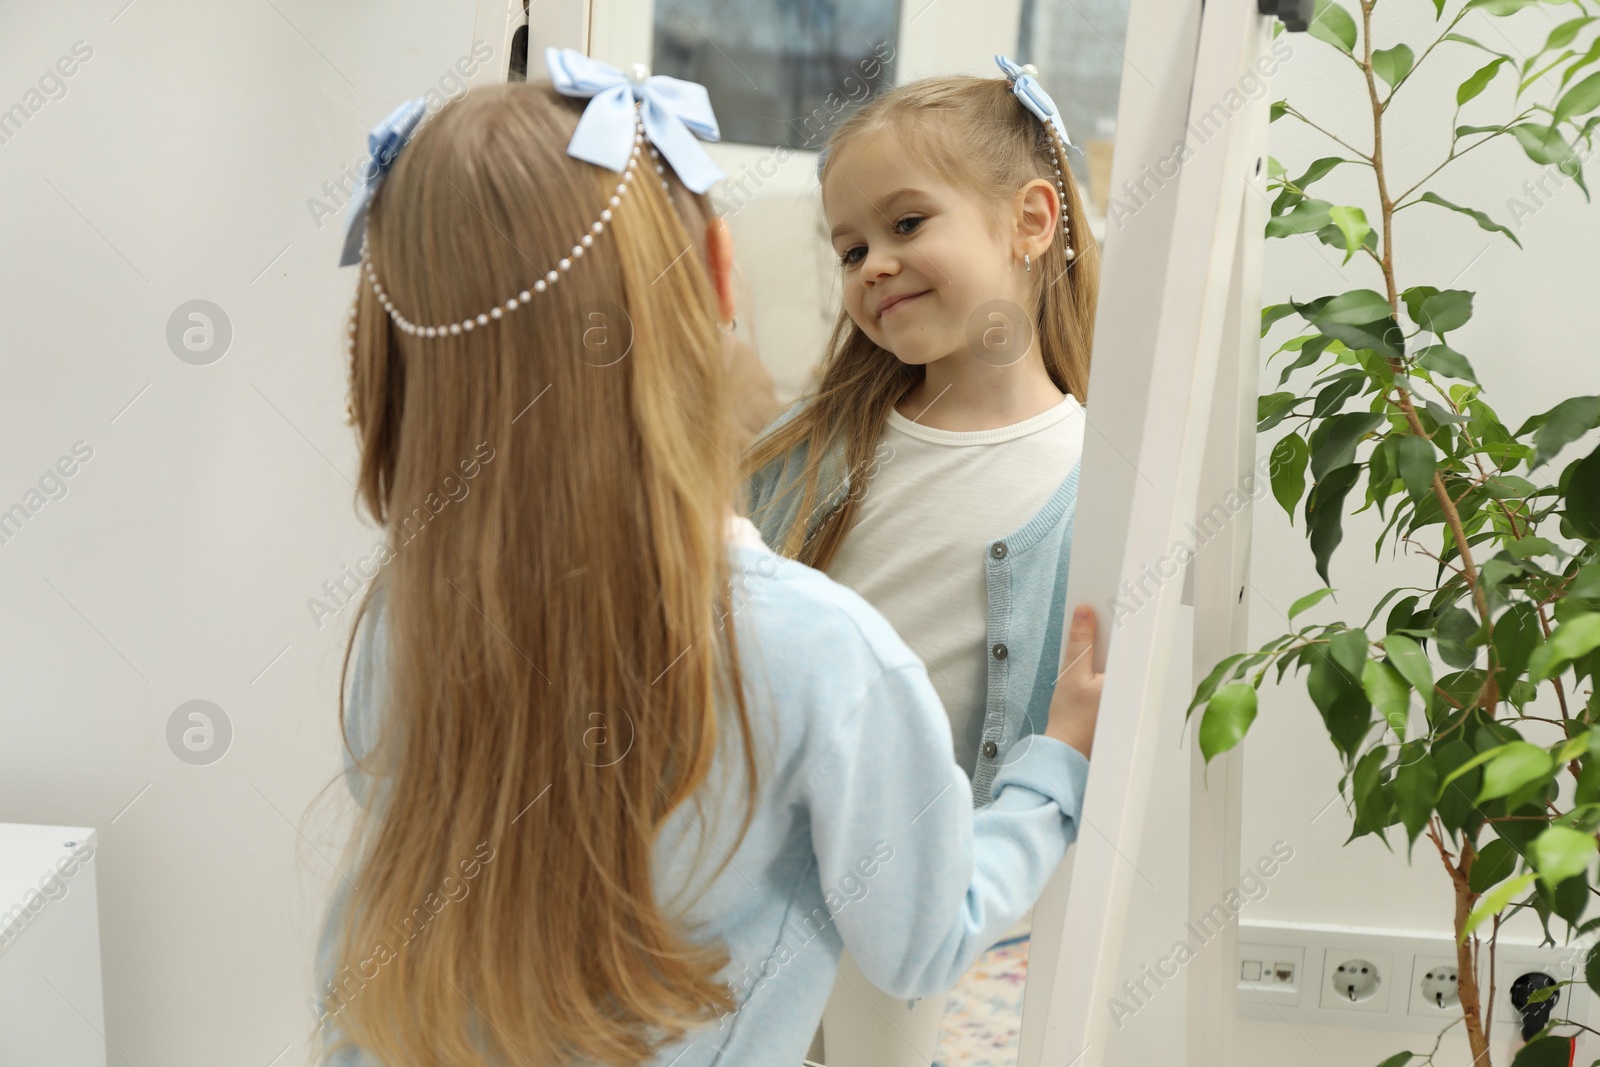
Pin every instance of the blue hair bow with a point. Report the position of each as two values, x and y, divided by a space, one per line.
1027 89
671 109
384 142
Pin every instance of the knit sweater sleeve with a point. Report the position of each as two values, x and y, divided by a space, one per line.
922 883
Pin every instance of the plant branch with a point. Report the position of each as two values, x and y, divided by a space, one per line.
1326 133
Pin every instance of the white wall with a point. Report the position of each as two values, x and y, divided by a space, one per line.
178 566
1531 342
178 166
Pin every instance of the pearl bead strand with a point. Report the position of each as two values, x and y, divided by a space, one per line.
551 277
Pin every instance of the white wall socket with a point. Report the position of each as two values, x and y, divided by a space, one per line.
1562 965
1272 974
1347 984
1403 960
1438 976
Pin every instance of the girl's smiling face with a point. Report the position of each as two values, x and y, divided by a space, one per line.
917 256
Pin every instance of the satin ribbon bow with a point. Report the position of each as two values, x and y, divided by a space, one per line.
675 113
1026 88
384 142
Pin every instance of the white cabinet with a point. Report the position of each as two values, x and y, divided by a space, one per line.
51 1007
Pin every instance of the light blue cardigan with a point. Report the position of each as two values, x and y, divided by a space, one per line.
861 836
1025 574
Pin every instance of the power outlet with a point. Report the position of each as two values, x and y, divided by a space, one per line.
1563 968
1357 979
1434 984
1402 961
1274 974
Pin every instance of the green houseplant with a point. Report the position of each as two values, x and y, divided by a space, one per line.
1462 717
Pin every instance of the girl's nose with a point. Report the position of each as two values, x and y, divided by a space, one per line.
877 266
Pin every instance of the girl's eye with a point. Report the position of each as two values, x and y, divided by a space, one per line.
851 256
907 225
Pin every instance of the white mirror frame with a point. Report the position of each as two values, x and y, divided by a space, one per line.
1172 386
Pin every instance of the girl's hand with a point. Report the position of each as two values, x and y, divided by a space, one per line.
1075 707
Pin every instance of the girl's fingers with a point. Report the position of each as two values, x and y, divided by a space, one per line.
1080 643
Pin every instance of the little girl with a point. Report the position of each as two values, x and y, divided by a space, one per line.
953 386
609 814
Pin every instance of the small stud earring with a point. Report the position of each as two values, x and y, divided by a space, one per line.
1027 264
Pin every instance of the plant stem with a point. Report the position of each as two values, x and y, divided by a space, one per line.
1460 875
1386 206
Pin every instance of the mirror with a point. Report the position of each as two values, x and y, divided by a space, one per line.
781 80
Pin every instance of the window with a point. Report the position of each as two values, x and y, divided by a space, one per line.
779 72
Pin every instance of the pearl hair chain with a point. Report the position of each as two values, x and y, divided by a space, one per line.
550 278
1061 187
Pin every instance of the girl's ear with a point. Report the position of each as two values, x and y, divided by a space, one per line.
1038 217
719 259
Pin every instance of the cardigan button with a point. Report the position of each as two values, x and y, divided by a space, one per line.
998 550
1000 651
989 749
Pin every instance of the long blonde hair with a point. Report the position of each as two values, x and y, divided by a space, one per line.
582 576
973 132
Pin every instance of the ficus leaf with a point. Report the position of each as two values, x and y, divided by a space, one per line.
1356 307
1416 789
1546 145
1308 600
1561 852
1389 693
1417 459
1209 685
1577 636
1581 99
1324 512
1583 496
1337 446
1272 314
1483 220
1479 81
1412 663
1444 311
1442 359
1319 169
1349 649
1514 766
1393 64
1288 463
1560 426
1516 635
1500 7
1495 862
1494 902
1339 698
1308 216
1548 1051
1227 718
1333 24
1353 224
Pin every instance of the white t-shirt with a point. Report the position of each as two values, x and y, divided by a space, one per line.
936 502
